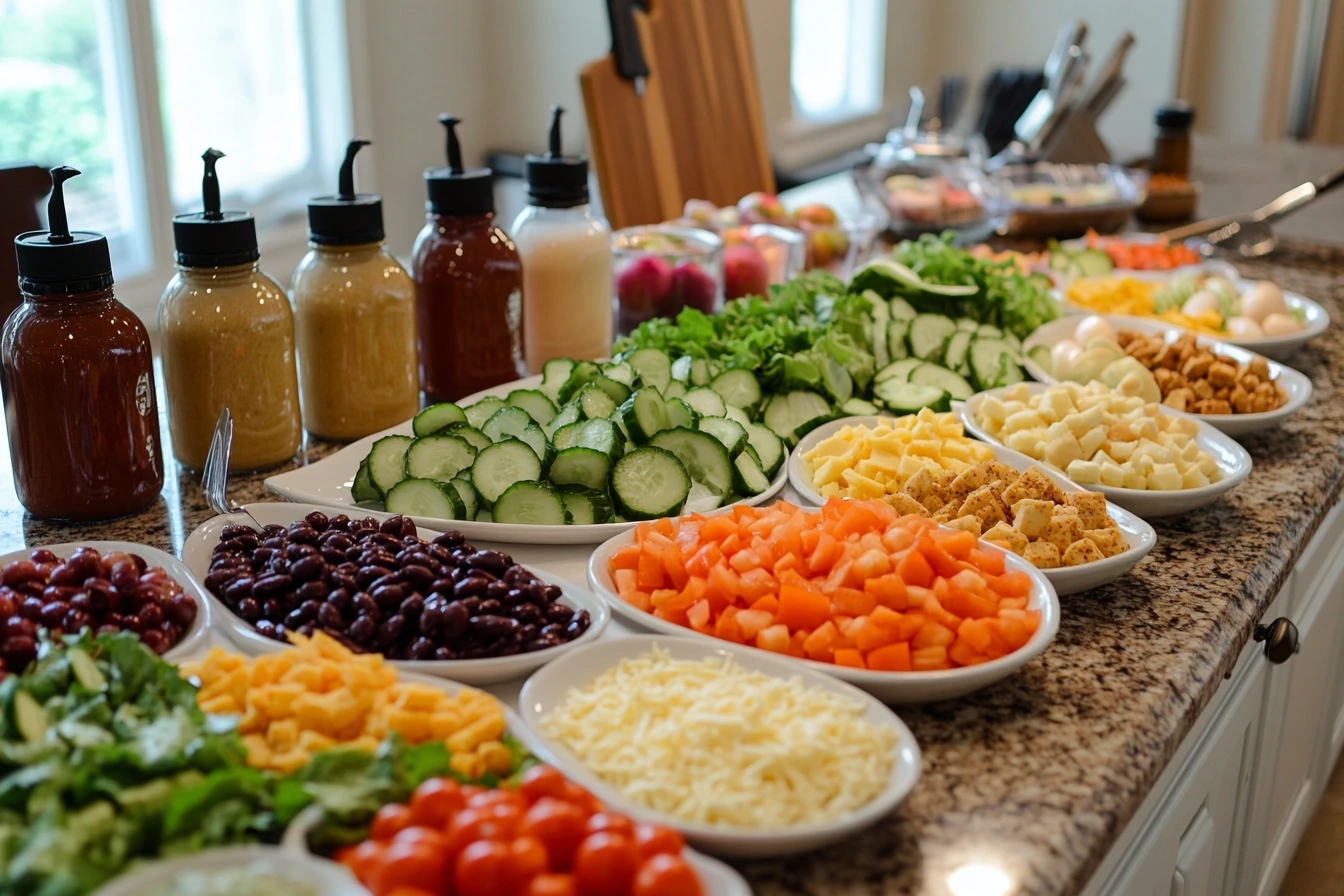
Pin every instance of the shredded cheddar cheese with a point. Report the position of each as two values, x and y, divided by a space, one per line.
713 743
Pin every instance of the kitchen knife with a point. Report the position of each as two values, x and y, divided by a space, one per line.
625 46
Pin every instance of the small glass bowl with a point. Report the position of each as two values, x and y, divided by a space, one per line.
783 249
1048 199
659 269
930 196
841 247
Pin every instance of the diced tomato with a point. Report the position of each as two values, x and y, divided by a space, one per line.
727 628
1012 584
697 617
625 580
673 565
914 569
825 555
802 610
988 562
774 637
852 602
871 635
750 622
820 644
929 659
957 542
888 590
933 635
650 574
625 557
768 604
891 658
847 656
744 560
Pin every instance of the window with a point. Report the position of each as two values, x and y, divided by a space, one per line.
131 92
836 58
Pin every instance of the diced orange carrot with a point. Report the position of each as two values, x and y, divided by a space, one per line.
774 637
744 560
928 659
914 569
650 574
888 590
820 644
852 602
768 604
933 635
847 656
802 610
752 621
625 557
727 627
625 580
697 617
891 658
988 562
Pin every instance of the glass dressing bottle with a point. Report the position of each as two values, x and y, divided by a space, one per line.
468 283
566 255
354 318
227 340
78 377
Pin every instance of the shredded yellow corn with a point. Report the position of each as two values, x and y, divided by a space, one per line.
1126 295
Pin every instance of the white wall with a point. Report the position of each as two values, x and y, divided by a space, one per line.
1233 54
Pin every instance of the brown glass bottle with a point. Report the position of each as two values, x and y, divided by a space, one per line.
78 381
468 285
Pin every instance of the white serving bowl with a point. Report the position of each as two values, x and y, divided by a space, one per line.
329 878
1206 265
1295 385
889 687
196 554
327 482
194 640
1276 347
1231 458
543 693
1067 580
718 878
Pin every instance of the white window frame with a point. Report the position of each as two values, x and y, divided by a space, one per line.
131 74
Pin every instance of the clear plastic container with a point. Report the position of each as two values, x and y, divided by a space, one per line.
783 250
930 196
1047 199
659 269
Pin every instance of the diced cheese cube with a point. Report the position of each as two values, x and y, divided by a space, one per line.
1027 419
910 465
1101 457
1024 441
1164 477
1194 478
1135 479
861 487
1018 392
1112 475
1084 472
924 431
1059 402
1143 463
1091 440
1056 430
957 450
1121 451
991 408
1063 451
1191 451
1183 426
926 448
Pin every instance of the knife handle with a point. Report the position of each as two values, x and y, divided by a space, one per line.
625 46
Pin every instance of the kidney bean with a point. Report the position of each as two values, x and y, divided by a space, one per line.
81 601
265 628
491 561
52 614
274 543
42 555
332 556
151 615
367 575
308 568
497 591
391 629
295 552
489 607
78 620
235 531
341 599
494 626
441 586
302 533
367 606
341 580
31 607
330 616
318 520
339 521
388 597
363 630
559 613
230 546
391 525
455 619
273 609
18 651
422 649
7 605
472 586
525 613
551 593
315 590
411 607
183 611
420 578
66 574
450 539
238 589
542 642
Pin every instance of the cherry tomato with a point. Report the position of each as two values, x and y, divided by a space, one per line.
496 798
435 801
362 858
470 790
391 820
581 798
610 821
409 865
605 864
540 781
653 839
559 827
665 875
431 837
552 885
413 891
482 869
527 856
470 825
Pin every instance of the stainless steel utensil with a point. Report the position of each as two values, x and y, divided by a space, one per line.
1250 235
915 114
215 475
1101 90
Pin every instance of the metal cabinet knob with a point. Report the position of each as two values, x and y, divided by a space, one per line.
1281 640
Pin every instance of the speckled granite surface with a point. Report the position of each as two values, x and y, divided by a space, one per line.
1039 774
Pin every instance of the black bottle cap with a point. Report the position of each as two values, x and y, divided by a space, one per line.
556 180
456 190
1175 114
348 218
213 238
58 261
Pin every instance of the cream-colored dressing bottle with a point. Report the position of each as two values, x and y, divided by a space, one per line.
354 318
566 255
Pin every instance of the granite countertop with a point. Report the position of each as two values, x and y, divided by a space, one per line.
1038 774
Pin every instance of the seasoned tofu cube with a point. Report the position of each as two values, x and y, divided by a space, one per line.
986 505
1082 551
1063 531
1165 477
1109 541
904 504
970 523
1031 517
1091 508
1031 484
1191 451
1007 537
1042 555
1084 472
970 479
1063 451
918 484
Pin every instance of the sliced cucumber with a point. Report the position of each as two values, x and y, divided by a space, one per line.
679 413
586 507
570 413
587 467
595 402
507 422
706 402
532 434
942 378
701 372
991 361
621 372
1041 355
29 717
537 405
701 500
877 338
857 407
649 483
426 497
483 410
602 435
501 465
837 380
531 503
361 489
793 415
897 370
484 516
618 391
705 458
748 478
989 330
436 417
928 335
554 373
738 388
732 434
909 398
85 670
653 366
471 499
582 373
958 353
900 309
568 435
438 457
387 462
769 447
965 323
471 434
675 389
737 414
898 335
644 414
681 369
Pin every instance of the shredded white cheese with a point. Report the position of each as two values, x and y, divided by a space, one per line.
713 743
